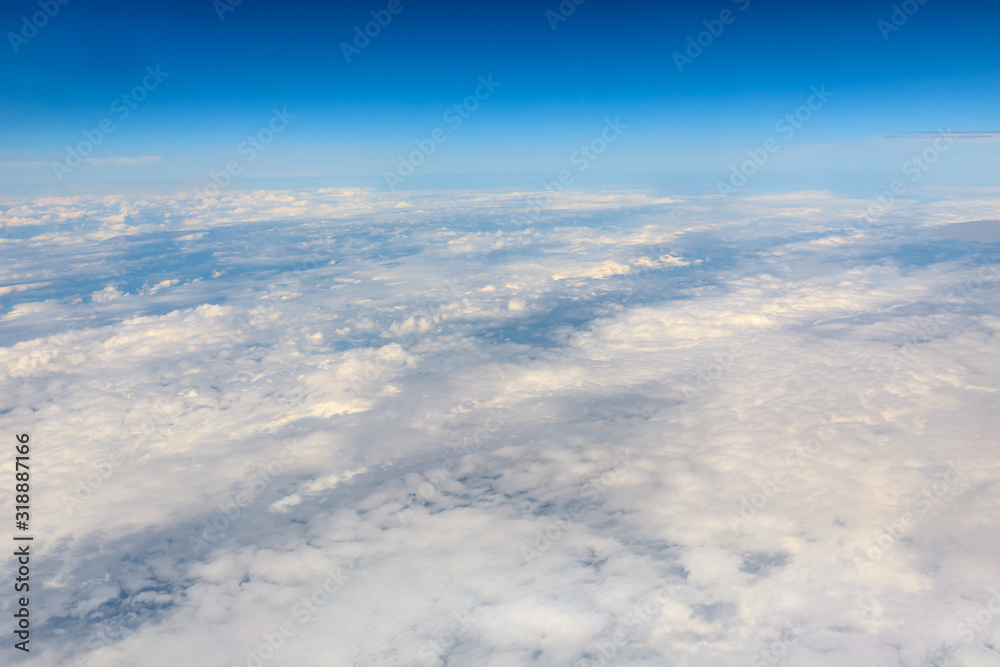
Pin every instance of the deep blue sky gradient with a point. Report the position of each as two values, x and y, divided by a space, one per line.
939 69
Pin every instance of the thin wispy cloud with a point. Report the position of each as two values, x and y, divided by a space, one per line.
139 161
26 164
123 161
961 135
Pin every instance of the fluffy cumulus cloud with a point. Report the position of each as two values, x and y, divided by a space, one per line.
336 427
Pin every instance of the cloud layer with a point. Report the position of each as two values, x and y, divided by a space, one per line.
340 428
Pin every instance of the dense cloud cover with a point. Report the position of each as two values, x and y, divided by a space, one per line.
340 428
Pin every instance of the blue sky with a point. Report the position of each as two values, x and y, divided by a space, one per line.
557 86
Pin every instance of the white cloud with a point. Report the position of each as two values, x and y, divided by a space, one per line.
693 440
123 161
25 164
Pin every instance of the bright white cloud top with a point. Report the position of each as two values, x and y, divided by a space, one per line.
341 428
